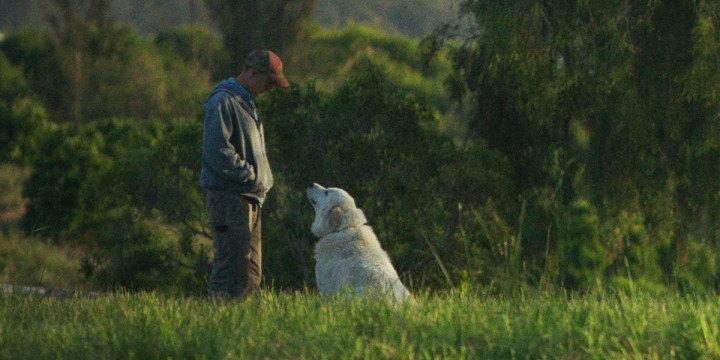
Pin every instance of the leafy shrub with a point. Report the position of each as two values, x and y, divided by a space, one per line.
341 50
133 253
127 191
23 125
109 71
13 83
196 45
697 269
128 77
584 253
67 157
39 57
23 120
634 258
379 143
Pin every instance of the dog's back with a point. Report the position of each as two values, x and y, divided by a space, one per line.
352 260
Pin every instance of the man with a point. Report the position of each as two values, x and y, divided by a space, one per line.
236 174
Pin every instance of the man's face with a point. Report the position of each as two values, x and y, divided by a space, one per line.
262 81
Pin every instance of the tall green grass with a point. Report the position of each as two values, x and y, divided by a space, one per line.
459 324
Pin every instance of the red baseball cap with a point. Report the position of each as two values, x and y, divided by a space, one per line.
269 63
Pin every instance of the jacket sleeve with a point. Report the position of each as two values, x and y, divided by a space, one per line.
218 153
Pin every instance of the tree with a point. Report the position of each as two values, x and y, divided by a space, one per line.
40 59
259 24
599 101
379 143
127 192
196 45
71 33
23 120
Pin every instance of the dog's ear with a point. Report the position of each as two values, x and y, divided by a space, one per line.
335 217
354 218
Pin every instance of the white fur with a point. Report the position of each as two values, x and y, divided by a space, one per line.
348 256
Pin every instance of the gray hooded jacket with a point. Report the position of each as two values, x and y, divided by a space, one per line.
234 157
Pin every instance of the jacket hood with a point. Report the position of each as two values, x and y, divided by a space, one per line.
232 86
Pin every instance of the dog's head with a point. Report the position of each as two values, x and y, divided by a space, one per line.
335 210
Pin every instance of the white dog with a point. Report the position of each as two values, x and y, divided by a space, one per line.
348 256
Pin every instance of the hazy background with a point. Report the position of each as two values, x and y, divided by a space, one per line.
414 18
552 144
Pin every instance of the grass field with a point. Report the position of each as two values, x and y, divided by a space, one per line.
461 324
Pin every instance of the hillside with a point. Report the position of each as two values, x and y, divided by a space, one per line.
414 18
340 49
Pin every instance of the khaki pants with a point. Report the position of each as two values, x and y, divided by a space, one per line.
237 265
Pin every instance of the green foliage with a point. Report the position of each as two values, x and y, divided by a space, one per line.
13 83
140 257
196 45
258 24
698 269
23 124
108 71
635 259
157 166
125 78
341 50
39 57
129 78
67 157
614 94
584 255
378 143
23 121
590 152
108 185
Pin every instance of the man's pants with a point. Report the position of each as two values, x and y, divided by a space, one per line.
237 265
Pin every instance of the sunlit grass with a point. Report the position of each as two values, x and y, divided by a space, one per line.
459 324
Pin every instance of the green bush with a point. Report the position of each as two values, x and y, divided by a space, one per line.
13 83
109 71
341 50
23 125
133 253
39 57
196 45
23 120
67 157
129 77
697 268
584 253
380 144
128 192
635 258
